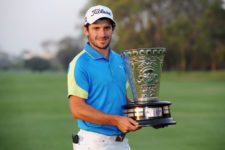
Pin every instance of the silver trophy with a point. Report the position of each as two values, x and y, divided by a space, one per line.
143 67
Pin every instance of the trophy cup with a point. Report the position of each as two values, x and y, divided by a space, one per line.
143 68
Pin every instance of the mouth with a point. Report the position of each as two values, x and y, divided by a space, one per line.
103 41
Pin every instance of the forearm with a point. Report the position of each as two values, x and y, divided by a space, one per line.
80 110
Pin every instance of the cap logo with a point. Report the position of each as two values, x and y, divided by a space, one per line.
100 11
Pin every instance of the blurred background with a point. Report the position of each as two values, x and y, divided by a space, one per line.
39 38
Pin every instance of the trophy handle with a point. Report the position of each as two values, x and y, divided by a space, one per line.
129 75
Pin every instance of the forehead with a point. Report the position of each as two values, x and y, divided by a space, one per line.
102 21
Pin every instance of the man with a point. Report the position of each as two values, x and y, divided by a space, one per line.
97 87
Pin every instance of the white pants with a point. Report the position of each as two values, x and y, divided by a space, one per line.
95 141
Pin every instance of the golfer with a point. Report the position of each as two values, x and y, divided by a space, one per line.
97 87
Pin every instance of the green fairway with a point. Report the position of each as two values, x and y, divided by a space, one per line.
34 113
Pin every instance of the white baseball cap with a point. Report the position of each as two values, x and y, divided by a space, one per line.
96 12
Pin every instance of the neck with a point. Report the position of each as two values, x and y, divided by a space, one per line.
104 52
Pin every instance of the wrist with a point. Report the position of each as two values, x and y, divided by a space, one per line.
114 120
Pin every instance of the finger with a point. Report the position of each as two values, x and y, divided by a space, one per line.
133 122
125 132
139 127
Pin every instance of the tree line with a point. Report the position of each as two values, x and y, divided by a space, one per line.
66 49
192 31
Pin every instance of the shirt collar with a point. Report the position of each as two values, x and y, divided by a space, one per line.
94 53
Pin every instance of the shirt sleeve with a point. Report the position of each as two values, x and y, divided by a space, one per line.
77 80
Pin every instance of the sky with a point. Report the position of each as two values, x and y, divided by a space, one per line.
25 24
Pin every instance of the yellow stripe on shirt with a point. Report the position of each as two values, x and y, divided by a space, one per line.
73 88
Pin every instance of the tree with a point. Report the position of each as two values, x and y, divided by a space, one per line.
37 64
212 39
68 47
5 62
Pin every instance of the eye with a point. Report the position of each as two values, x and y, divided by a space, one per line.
96 28
108 28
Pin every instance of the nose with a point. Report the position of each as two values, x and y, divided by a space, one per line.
102 33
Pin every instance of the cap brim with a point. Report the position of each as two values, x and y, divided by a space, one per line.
100 17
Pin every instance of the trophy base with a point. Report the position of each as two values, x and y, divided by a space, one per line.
157 122
150 113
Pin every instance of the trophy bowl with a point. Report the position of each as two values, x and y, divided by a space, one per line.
143 67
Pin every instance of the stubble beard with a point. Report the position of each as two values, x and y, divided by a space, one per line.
95 45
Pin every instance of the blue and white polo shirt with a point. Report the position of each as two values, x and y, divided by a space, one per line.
101 82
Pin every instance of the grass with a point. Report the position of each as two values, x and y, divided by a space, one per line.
199 109
34 113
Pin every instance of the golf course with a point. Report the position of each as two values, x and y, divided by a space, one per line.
35 115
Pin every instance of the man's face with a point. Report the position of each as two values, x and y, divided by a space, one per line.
99 34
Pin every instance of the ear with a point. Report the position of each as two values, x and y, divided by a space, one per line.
85 30
113 29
